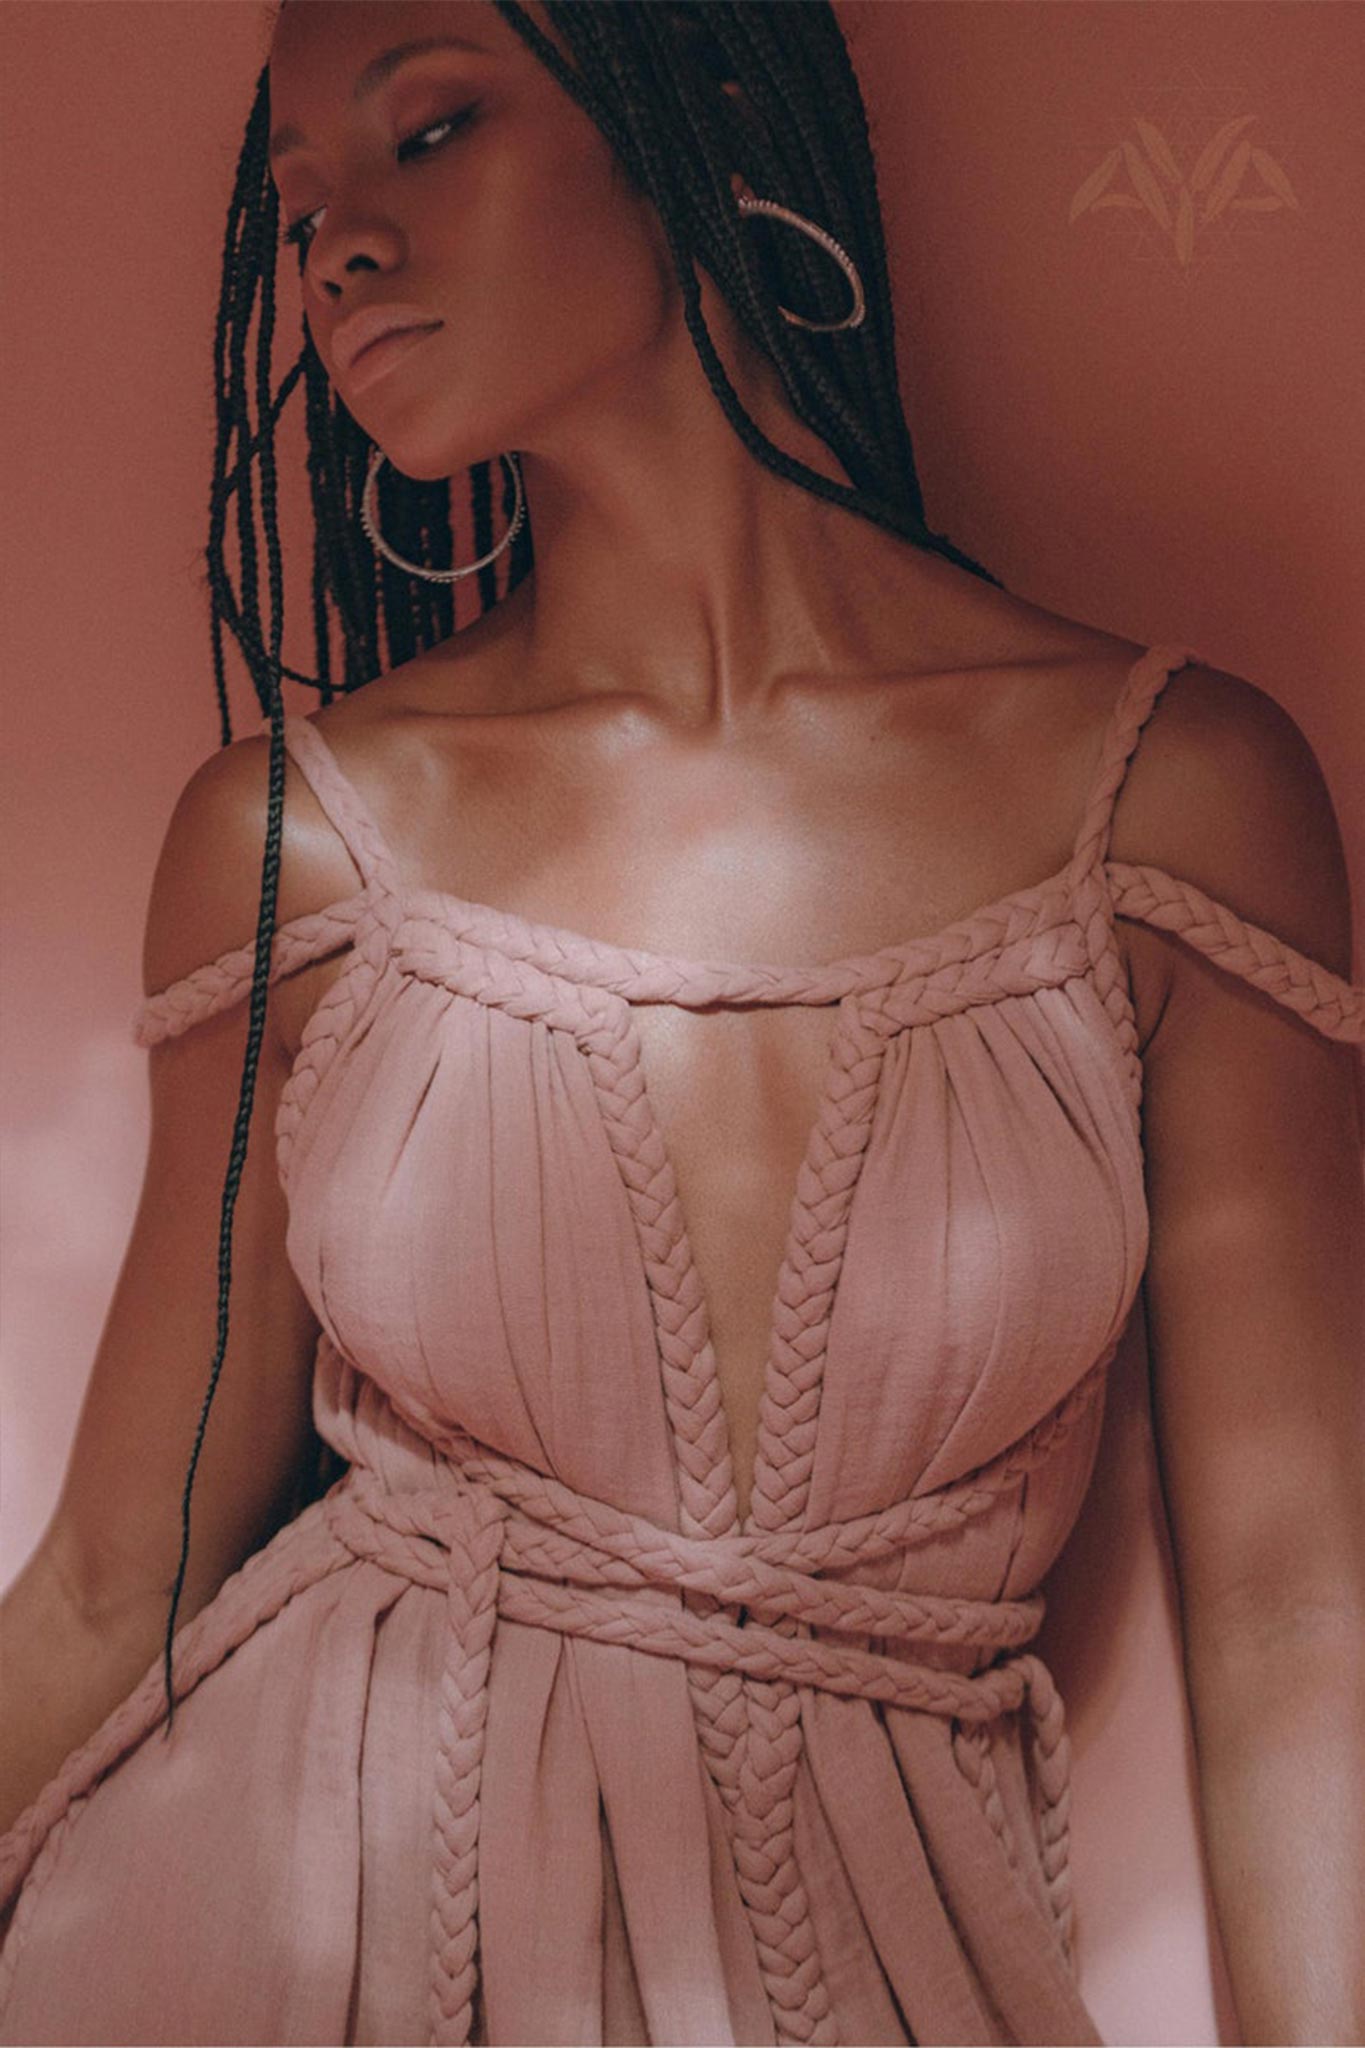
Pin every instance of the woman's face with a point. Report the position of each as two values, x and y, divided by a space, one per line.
466 184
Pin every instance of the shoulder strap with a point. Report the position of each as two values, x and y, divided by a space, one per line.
219 983
1144 683
342 803
1332 1005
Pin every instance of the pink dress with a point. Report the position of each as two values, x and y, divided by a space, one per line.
519 1734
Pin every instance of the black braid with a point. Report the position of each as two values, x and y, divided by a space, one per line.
649 74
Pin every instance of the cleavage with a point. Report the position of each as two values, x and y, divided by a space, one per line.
735 1094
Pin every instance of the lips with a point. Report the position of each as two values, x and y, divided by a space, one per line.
381 357
360 331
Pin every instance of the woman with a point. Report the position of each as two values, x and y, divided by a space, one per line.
708 1381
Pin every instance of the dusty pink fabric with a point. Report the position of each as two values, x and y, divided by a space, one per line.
484 1746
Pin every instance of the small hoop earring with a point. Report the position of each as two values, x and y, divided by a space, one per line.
841 256
369 520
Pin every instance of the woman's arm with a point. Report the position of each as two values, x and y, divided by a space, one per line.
87 1614
1256 1311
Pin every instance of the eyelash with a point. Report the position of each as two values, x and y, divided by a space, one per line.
294 235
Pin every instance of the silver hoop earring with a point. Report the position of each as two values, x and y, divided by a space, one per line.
826 241
369 520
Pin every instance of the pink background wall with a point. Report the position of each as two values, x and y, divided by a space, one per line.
1137 416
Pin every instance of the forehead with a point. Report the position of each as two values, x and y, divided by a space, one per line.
326 43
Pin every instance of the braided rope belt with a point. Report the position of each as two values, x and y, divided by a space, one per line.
501 1540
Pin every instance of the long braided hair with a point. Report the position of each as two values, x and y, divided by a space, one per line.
650 74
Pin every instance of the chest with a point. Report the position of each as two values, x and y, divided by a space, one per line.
966 1171
737 1096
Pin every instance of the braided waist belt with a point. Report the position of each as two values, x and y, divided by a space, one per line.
503 1540
482 1548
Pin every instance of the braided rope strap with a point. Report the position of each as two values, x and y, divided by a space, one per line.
217 984
452 1535
472 1523
1051 1755
707 1507
764 1839
1335 1006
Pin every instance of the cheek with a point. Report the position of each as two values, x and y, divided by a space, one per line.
580 262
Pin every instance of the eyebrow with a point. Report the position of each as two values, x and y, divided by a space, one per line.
372 77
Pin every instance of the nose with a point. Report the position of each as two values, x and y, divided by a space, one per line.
345 245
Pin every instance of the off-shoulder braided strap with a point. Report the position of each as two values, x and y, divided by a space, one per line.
1139 890
1336 1007
219 983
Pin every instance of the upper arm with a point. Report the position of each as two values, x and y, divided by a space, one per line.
1252 1143
115 1534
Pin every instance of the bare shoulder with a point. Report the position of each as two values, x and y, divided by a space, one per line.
208 870
1225 791
206 886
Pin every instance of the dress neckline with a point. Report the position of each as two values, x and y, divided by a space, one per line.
578 955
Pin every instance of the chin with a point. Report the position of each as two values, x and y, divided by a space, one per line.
421 462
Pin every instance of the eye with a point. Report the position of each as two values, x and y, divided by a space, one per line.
294 234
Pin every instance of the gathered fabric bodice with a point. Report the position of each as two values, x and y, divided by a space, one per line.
811 1779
